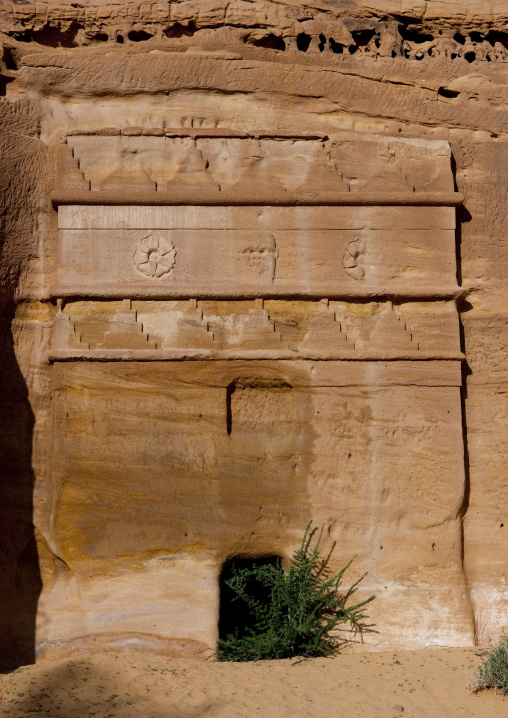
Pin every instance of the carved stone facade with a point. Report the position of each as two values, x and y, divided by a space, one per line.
238 310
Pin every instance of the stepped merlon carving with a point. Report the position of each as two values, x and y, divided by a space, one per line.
76 329
256 162
331 328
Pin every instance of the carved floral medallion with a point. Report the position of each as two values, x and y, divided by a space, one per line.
155 256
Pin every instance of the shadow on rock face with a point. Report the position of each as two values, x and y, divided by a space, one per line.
20 582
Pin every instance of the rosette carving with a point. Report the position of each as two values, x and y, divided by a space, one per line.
155 256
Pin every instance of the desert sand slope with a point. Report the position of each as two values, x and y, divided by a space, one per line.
413 684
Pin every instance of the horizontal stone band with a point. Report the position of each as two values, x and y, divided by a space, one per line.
246 355
255 292
199 197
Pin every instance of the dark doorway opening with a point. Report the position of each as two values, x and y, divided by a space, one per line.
234 614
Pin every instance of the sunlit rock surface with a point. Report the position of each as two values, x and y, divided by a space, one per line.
252 273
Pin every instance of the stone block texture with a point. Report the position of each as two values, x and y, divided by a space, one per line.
252 273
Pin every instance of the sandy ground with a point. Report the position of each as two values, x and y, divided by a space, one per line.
373 685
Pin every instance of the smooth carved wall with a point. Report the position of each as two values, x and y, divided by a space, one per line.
231 304
285 355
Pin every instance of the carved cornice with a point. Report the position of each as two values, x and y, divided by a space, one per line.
105 355
297 291
271 198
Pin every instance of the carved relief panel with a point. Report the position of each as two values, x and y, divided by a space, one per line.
218 215
268 251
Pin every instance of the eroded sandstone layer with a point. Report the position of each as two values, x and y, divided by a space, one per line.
252 274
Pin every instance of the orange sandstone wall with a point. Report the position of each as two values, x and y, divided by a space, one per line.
236 295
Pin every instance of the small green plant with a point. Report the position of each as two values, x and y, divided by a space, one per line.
493 670
303 610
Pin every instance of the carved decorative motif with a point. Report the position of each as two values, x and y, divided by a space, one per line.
155 256
262 260
352 257
276 329
258 164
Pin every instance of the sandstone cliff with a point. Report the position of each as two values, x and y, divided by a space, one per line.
252 272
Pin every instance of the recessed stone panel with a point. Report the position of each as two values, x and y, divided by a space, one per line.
292 255
159 468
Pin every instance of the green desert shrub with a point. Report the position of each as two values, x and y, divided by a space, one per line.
493 670
303 609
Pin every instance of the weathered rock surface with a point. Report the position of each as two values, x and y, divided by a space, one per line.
252 273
